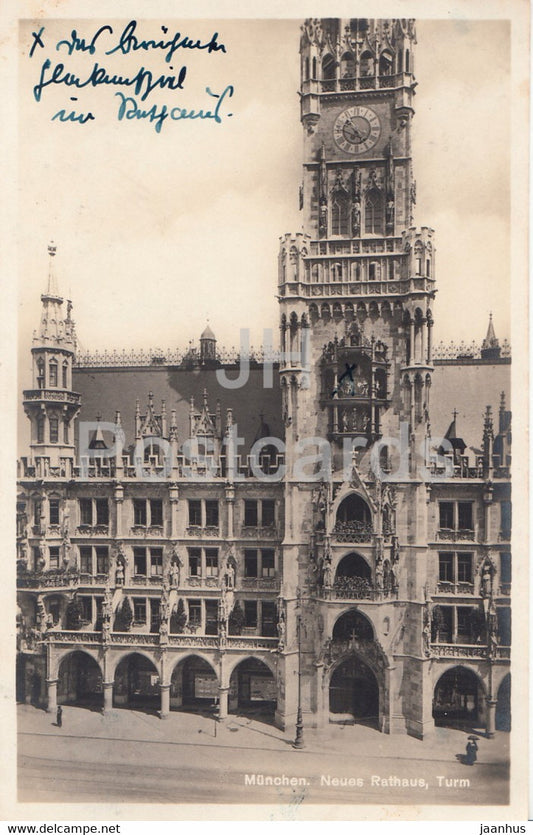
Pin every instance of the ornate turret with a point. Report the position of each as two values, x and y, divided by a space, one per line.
490 348
208 347
51 405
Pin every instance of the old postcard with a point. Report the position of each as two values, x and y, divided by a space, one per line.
272 283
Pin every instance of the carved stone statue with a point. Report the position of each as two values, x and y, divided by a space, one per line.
486 581
328 572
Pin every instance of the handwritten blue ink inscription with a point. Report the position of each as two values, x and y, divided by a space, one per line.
129 109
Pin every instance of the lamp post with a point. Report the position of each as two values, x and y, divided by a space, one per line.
299 739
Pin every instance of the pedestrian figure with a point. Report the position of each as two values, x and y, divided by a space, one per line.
59 716
471 751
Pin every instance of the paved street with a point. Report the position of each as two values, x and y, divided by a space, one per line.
131 756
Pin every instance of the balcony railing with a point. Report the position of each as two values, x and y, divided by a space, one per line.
449 535
352 532
475 651
354 591
147 530
260 583
446 587
200 531
93 530
134 639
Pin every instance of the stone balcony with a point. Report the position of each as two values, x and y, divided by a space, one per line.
445 587
459 535
355 588
183 641
352 532
469 651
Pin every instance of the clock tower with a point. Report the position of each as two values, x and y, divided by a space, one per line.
356 290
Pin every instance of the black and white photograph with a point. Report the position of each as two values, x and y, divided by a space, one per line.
269 342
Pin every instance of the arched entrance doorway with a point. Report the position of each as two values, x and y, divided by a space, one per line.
253 689
194 685
458 698
354 692
503 705
136 683
79 681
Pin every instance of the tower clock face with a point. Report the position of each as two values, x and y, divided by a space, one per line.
356 129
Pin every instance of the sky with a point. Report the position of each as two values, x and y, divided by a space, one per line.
158 233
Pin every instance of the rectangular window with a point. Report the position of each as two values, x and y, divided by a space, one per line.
464 516
86 512
40 430
464 568
268 562
268 619
37 511
156 512
446 568
211 562
211 512
268 513
195 562
211 617
102 559
250 563
65 375
102 512
250 614
505 568
372 271
195 613
86 559
139 610
36 557
445 625
86 607
54 557
139 512
464 624
54 511
139 560
155 615
156 562
504 625
195 512
505 525
54 430
98 607
65 432
250 513
446 515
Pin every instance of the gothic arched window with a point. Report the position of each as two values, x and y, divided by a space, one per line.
40 373
366 65
340 214
374 213
328 68
347 65
52 369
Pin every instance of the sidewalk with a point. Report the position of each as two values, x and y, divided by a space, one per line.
242 732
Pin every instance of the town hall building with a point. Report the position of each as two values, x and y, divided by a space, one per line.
310 551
